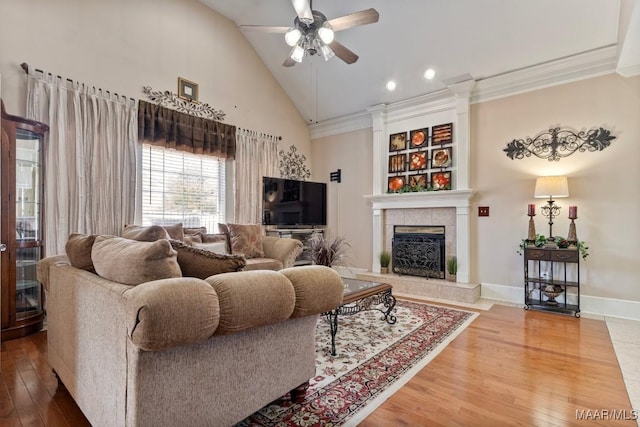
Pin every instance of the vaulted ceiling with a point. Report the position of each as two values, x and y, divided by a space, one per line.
480 38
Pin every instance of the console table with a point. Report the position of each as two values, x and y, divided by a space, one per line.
546 277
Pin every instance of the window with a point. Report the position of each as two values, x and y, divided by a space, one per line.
182 187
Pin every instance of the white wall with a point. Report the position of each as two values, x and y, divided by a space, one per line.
122 45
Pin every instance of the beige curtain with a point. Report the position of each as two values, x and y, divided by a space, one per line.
256 156
90 157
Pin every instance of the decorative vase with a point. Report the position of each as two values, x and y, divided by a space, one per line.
551 292
384 270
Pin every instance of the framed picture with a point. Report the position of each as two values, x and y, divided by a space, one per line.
441 181
187 90
418 138
417 161
397 163
441 158
442 134
418 181
398 141
395 183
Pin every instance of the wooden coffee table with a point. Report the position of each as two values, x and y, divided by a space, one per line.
361 295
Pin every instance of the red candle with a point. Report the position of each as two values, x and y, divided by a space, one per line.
573 212
532 210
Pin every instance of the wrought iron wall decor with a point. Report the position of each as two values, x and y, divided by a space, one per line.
557 143
173 101
292 164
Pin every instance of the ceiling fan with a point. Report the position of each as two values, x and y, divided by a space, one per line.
313 34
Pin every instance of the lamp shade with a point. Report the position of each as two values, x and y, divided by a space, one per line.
551 186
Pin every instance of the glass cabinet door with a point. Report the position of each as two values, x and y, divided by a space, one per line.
27 193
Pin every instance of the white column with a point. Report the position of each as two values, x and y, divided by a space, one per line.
463 244
462 132
379 119
378 232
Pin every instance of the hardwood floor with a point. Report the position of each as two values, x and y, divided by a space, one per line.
509 367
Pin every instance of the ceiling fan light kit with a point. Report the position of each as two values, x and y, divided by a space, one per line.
312 34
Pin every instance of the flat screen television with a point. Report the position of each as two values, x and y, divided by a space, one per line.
293 203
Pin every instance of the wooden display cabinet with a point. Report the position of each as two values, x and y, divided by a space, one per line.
21 227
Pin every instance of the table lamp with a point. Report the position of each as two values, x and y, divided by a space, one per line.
551 186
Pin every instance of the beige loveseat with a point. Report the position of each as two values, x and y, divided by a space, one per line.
180 351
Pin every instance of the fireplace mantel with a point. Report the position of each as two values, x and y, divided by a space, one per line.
422 199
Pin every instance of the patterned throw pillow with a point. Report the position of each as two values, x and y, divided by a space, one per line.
246 239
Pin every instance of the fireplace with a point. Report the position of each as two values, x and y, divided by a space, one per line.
419 250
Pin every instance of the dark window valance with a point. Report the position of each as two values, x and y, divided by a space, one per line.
172 129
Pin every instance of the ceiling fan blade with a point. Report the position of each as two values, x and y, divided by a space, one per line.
262 29
368 16
343 53
288 62
303 10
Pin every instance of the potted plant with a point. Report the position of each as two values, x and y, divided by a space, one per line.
329 253
452 268
385 259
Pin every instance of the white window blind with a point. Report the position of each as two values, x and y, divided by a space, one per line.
182 187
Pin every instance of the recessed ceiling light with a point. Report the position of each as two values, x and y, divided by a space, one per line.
391 85
429 74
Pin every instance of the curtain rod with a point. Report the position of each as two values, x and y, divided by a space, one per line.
25 67
249 130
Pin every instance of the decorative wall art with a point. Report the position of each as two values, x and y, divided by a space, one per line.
442 134
420 160
441 158
418 181
292 165
397 163
187 90
441 181
557 143
418 137
398 141
395 183
417 161
173 101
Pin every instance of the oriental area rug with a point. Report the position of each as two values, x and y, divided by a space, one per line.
374 359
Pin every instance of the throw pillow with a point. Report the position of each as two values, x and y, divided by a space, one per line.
225 231
246 239
175 231
132 262
217 247
192 239
145 233
194 230
78 250
200 263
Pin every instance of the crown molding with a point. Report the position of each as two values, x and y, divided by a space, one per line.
585 65
344 124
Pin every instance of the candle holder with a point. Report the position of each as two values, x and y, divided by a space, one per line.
531 235
572 238
551 211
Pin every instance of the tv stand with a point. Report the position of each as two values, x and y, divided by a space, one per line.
302 234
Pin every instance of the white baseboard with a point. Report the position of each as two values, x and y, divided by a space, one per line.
610 307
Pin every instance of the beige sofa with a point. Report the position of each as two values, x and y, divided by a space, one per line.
182 350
